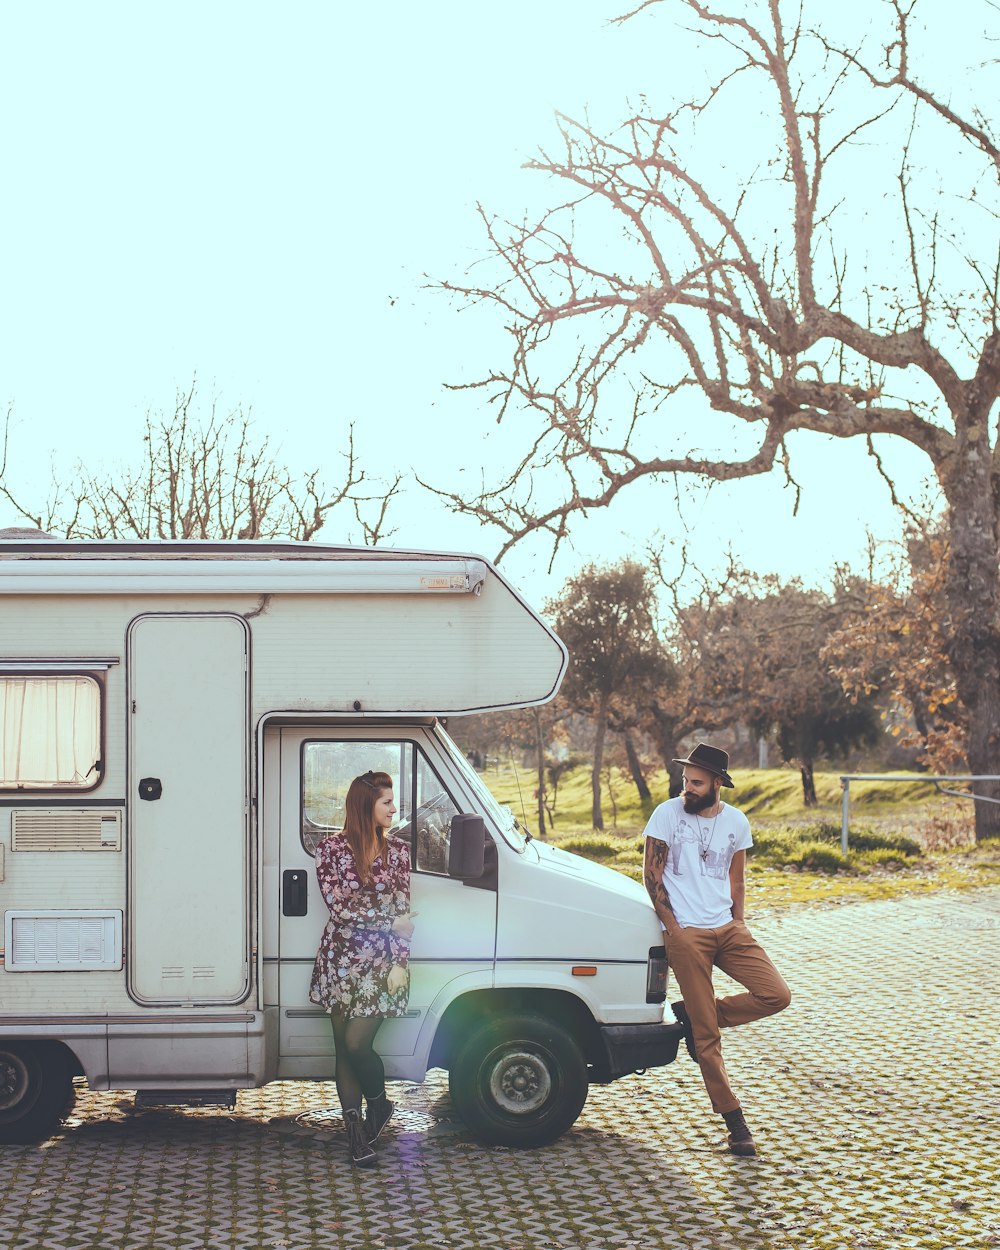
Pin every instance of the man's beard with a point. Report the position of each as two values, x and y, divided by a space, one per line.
693 804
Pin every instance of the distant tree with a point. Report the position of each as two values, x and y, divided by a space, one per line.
209 478
532 730
606 617
761 664
894 644
692 702
556 768
624 718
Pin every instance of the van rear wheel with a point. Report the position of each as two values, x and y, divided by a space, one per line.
519 1080
36 1090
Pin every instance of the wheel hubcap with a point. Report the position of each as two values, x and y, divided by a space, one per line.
520 1083
14 1080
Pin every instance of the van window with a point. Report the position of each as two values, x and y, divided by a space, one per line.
328 768
50 733
434 809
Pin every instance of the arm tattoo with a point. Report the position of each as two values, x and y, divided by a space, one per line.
654 862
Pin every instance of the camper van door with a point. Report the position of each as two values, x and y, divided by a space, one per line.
455 931
188 838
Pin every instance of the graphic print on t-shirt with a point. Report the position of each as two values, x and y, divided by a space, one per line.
712 861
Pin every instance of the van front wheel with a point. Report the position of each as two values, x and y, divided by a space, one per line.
36 1090
519 1080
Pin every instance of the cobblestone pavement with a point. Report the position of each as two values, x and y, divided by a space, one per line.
875 1101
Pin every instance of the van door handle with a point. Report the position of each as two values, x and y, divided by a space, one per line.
294 892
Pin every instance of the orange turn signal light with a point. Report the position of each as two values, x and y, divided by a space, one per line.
585 970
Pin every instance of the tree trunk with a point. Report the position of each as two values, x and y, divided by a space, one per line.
540 749
612 798
666 745
808 783
973 592
597 819
634 766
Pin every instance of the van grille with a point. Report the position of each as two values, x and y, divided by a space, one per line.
66 829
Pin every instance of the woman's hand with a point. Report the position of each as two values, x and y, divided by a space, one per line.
396 980
402 926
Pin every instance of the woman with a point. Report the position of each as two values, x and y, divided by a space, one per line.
360 974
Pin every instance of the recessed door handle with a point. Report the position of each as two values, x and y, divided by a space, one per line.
294 892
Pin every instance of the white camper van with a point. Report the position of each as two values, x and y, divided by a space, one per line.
179 722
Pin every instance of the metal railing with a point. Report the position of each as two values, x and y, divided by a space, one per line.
933 779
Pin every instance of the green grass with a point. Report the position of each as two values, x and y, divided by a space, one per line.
904 838
773 794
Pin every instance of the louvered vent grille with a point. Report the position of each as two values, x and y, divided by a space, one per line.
66 829
62 941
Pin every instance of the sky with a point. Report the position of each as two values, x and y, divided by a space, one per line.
262 197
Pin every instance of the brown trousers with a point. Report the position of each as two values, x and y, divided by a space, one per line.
693 954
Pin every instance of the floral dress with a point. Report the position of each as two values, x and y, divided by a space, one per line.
358 948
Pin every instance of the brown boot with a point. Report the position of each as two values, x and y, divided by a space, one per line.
358 1145
740 1137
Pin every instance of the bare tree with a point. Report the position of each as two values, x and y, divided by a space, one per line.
674 280
203 479
694 603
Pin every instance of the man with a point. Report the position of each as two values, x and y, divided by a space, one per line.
694 871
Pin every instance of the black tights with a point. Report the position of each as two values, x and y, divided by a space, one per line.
359 1068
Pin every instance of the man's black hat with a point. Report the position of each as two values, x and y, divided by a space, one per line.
712 759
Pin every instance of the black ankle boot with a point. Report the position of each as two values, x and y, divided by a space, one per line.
684 1020
740 1137
378 1115
358 1146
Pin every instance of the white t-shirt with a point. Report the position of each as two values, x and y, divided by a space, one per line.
696 874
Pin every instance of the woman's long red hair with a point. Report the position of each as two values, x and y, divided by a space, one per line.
364 837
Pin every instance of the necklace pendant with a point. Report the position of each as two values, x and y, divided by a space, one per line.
704 852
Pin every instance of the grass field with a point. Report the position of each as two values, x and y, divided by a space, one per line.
905 837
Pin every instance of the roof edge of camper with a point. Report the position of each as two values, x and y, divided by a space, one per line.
215 575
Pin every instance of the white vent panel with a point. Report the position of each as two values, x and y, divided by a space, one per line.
62 941
66 829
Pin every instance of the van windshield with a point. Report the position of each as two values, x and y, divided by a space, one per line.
502 816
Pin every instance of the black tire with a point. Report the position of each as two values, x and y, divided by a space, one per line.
518 1080
36 1090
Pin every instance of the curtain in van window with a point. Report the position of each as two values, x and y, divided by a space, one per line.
50 732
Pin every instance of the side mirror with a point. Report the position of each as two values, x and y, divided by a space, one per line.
467 847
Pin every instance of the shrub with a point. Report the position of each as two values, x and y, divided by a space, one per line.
783 844
629 857
819 857
879 857
591 845
895 844
867 840
776 845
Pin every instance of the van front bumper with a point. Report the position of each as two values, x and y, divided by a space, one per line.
629 1048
